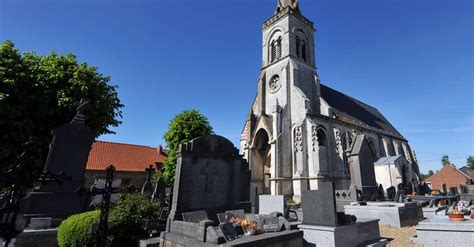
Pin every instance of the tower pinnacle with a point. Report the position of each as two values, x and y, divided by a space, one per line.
282 4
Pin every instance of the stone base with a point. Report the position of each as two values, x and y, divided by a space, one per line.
431 212
363 233
389 213
43 237
293 238
440 231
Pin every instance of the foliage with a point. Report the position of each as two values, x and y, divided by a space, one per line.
445 160
133 218
76 230
38 93
183 127
430 173
470 162
156 177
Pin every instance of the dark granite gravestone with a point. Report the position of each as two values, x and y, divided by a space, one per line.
69 151
210 176
400 196
381 193
147 187
345 197
195 217
159 192
419 189
361 159
319 206
391 193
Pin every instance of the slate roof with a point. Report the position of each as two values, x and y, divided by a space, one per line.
387 160
125 157
351 110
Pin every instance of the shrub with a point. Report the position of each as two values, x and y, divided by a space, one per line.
133 218
76 230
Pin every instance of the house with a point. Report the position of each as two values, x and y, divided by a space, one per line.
129 160
452 177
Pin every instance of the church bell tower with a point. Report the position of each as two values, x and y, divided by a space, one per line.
288 91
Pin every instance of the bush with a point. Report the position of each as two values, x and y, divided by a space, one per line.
76 230
133 218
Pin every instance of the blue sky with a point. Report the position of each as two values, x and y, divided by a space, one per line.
412 59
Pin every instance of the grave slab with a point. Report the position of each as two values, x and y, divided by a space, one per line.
440 231
431 212
389 213
37 237
364 231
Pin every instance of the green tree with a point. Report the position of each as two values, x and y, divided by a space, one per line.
445 160
38 94
470 162
183 128
430 173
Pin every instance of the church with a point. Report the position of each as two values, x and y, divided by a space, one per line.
299 131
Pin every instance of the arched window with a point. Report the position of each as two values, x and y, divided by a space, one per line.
301 48
322 140
275 50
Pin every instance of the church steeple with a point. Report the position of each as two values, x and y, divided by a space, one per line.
283 4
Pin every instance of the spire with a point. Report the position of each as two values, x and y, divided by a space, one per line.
283 4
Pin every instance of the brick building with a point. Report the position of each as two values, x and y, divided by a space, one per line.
129 160
452 177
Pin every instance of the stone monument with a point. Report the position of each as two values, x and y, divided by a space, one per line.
361 161
211 191
210 176
68 154
322 226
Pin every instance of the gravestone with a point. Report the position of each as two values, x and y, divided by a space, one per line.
319 206
210 176
345 197
391 193
147 187
400 196
271 203
381 193
68 154
195 217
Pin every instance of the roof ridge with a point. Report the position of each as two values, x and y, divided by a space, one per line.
365 104
127 144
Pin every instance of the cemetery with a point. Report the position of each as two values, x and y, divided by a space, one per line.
315 168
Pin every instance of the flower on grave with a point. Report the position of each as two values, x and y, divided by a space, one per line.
463 208
248 225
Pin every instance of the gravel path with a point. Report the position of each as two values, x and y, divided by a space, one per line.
398 237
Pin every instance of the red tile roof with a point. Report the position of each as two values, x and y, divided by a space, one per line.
125 157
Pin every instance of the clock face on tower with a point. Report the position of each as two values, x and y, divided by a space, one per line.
274 84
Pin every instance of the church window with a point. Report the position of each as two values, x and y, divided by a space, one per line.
322 141
301 48
275 50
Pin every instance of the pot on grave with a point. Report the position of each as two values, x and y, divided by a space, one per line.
456 217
